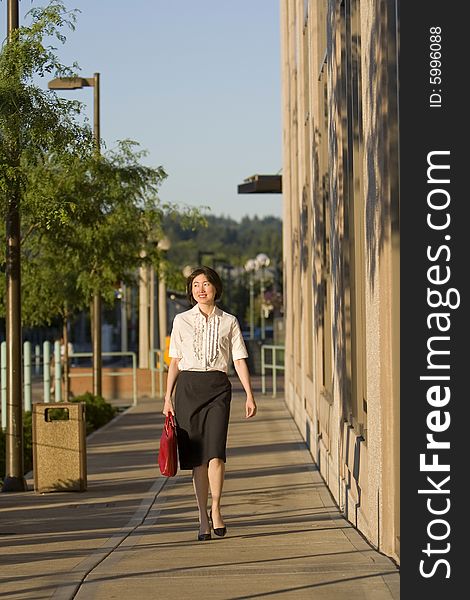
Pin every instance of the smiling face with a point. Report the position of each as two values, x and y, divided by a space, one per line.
203 290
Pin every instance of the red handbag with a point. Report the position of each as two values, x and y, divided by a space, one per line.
168 453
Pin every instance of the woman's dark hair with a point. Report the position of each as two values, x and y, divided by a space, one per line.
211 275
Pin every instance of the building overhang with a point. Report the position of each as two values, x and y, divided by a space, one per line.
261 184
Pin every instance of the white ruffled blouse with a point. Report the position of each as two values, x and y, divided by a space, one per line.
206 344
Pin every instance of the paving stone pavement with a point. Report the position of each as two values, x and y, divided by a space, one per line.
133 533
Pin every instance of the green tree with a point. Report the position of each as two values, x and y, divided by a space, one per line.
39 133
227 244
87 220
116 226
34 123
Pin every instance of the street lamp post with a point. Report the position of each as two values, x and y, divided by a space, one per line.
164 245
14 477
144 338
152 308
75 83
124 300
250 267
154 335
262 261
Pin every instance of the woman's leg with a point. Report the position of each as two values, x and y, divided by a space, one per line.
216 472
201 489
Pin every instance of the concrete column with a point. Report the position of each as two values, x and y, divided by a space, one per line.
144 342
162 312
154 312
124 300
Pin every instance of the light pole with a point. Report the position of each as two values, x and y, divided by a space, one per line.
152 308
144 338
262 261
14 477
153 304
123 299
75 83
250 267
164 245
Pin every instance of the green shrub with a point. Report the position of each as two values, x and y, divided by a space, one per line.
98 412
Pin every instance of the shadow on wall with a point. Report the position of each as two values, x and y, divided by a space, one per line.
331 196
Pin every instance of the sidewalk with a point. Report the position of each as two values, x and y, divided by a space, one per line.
133 533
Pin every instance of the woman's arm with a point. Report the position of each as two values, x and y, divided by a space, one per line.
173 372
244 375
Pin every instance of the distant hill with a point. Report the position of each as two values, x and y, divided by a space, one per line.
226 245
225 241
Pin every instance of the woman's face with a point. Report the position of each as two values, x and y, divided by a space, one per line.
203 290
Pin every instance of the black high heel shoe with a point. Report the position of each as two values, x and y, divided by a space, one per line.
220 531
203 537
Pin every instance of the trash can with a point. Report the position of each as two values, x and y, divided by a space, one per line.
59 447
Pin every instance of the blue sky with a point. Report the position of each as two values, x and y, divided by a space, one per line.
196 83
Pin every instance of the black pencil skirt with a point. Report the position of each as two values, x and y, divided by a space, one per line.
202 408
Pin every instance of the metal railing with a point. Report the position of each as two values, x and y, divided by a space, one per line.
32 366
27 380
27 375
275 365
111 373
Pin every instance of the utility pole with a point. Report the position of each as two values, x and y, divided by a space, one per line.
14 477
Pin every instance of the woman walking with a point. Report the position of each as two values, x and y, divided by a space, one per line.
202 341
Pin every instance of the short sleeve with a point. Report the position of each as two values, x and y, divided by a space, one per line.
175 341
238 344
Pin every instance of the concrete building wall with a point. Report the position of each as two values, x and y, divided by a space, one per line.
341 250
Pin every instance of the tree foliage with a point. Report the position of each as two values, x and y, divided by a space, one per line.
227 245
88 218
34 123
226 241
